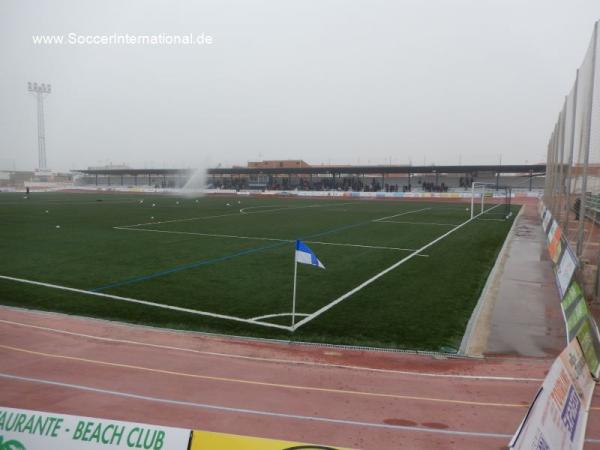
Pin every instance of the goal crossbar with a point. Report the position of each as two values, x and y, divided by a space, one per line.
483 190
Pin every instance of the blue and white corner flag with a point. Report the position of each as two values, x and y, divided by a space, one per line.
305 255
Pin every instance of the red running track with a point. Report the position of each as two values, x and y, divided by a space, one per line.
350 398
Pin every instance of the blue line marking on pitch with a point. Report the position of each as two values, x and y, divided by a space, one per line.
193 265
207 262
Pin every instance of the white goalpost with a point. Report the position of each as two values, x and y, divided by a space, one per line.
479 192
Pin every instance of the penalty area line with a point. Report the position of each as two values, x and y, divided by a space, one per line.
400 214
419 223
193 233
238 214
366 246
145 302
260 238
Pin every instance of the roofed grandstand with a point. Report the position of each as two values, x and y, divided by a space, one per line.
298 175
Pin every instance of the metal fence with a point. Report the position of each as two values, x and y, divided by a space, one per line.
572 188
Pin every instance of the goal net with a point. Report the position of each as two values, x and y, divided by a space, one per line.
490 199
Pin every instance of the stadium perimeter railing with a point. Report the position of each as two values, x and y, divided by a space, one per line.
572 188
570 216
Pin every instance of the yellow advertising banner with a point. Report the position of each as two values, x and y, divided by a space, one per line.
204 440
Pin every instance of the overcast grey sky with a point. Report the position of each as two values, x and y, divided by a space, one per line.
327 81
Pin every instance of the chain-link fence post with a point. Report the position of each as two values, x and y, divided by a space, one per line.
569 179
582 211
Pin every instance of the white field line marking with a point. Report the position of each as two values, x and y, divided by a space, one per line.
401 214
243 210
271 360
366 246
193 233
419 223
257 238
269 316
42 203
179 220
255 411
495 220
443 208
382 273
145 302
227 215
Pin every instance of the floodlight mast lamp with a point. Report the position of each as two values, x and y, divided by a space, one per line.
40 90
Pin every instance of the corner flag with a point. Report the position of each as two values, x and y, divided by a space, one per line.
305 255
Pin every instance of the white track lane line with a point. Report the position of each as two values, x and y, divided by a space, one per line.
382 273
272 360
256 412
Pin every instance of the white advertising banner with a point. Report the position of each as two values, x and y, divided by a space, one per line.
558 416
29 430
546 219
564 270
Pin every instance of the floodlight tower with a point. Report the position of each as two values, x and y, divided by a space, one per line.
40 90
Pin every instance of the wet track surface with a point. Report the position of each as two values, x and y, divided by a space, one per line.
349 398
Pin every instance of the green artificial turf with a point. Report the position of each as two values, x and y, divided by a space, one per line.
173 257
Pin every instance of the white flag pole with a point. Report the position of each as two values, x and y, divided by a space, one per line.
294 295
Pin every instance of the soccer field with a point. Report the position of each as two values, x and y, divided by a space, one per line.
389 281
